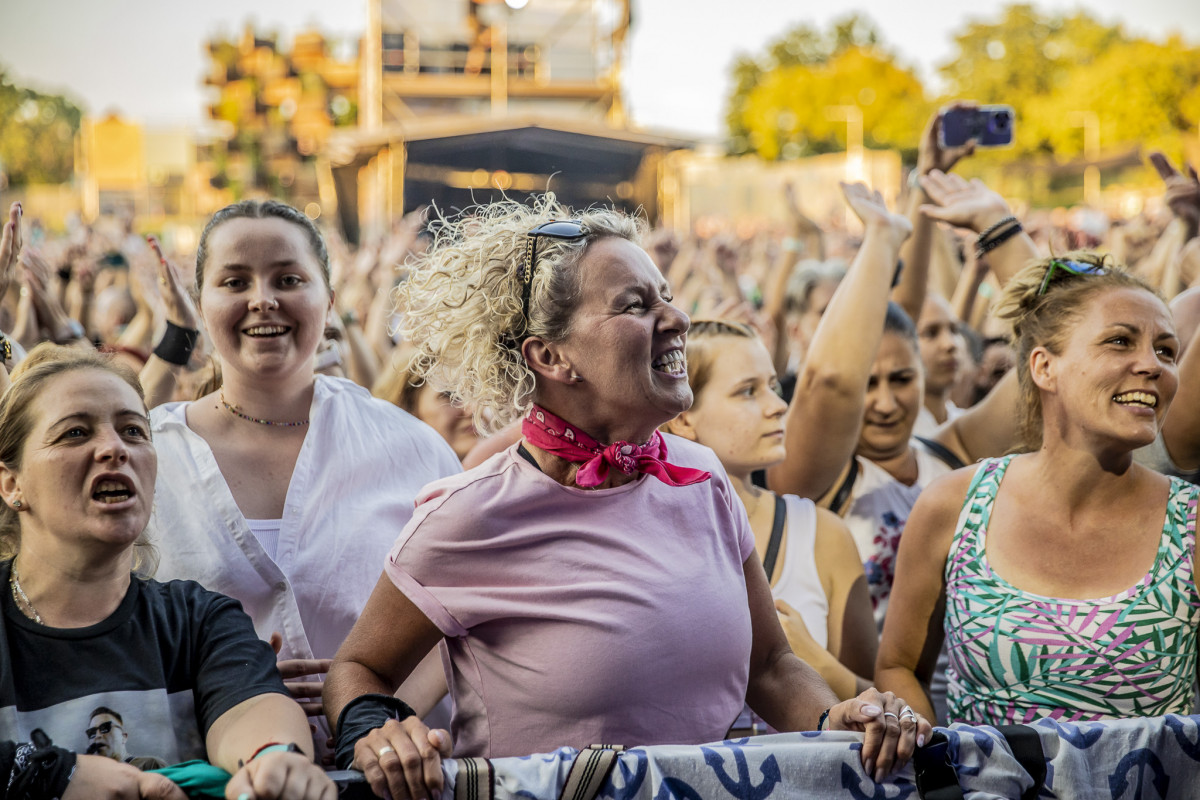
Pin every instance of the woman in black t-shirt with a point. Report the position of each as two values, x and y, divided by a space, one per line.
114 669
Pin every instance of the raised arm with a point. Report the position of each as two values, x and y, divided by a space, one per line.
826 412
972 205
161 371
917 251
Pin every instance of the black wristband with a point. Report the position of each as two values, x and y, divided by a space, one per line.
177 344
997 240
824 718
362 715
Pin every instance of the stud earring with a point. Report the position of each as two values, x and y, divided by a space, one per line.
16 503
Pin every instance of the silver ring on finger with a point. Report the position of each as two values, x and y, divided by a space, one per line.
892 715
907 712
384 749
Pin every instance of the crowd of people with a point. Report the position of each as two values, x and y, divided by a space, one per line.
534 476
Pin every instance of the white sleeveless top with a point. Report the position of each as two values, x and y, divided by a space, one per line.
879 507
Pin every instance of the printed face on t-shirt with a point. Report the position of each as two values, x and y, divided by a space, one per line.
106 737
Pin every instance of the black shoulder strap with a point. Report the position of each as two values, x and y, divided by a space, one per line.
944 454
937 780
1026 747
776 537
842 495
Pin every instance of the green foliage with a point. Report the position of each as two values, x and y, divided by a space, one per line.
783 104
37 135
1051 67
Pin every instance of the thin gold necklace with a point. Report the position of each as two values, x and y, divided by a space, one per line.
20 597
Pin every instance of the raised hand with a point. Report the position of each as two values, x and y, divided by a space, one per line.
10 248
964 204
1183 191
931 154
176 298
867 204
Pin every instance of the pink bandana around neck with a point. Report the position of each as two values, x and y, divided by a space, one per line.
543 429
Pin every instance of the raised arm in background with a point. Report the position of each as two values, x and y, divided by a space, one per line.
826 413
916 252
990 427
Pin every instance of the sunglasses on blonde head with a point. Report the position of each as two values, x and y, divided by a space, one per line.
1071 268
569 230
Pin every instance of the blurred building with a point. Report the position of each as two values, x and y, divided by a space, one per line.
461 101
275 109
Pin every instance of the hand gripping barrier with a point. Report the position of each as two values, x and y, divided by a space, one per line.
1151 758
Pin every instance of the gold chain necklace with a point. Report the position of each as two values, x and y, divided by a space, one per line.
20 597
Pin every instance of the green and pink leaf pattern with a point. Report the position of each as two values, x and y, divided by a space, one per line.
1016 656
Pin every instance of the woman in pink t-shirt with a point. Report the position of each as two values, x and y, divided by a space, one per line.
597 581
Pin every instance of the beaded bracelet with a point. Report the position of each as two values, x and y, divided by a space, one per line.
276 747
997 240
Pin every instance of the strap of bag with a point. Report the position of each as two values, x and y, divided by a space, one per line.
1026 747
776 537
936 778
945 454
589 771
475 779
842 495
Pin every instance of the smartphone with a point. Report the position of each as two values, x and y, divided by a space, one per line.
989 126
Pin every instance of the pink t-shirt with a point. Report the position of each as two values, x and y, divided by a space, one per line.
575 616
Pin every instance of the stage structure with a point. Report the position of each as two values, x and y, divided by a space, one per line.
462 100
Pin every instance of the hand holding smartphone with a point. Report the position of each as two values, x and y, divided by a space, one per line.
989 126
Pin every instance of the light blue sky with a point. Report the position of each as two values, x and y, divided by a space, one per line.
144 57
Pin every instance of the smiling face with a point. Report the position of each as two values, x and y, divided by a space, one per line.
1116 375
87 468
626 344
263 298
737 413
894 396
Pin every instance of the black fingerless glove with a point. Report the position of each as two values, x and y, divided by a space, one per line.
39 769
362 715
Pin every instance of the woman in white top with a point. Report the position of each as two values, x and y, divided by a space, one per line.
811 561
283 489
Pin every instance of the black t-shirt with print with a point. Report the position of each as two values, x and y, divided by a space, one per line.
160 670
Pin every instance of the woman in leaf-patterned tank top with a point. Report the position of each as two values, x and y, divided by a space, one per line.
1063 583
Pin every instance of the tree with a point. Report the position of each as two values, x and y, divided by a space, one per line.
37 135
782 105
1047 66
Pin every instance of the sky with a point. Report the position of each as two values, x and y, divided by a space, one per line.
144 58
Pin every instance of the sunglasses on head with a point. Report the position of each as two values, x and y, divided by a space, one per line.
101 729
1070 267
565 229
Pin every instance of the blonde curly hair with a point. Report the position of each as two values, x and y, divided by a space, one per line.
1047 320
461 306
